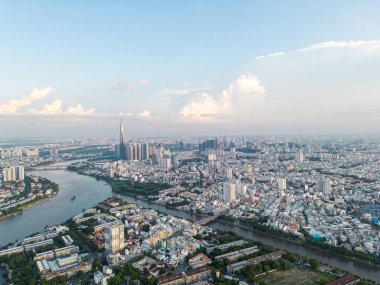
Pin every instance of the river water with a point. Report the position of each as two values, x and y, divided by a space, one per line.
89 191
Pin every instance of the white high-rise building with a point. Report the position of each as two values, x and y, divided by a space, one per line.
281 183
114 237
9 174
299 155
229 192
241 189
165 163
325 186
13 173
229 173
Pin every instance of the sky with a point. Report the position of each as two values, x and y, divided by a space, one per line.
184 68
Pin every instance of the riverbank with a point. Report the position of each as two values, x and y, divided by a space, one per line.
299 243
45 190
29 205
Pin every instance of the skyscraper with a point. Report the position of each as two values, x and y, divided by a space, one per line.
9 174
114 237
229 174
229 192
13 173
20 174
299 156
325 186
145 151
120 150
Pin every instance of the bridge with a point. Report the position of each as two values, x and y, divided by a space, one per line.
207 220
46 168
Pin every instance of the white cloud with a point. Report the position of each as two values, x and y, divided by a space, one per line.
179 90
370 45
78 110
55 108
328 87
129 114
144 81
245 90
145 113
12 107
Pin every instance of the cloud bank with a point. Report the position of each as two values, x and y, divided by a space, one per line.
245 90
15 107
145 114
12 107
358 45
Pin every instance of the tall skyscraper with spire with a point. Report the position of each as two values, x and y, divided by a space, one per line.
120 150
121 132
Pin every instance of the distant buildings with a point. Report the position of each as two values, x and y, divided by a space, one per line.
208 144
19 152
114 237
137 151
299 156
13 173
131 151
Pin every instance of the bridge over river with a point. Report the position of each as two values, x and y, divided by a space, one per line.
46 168
207 220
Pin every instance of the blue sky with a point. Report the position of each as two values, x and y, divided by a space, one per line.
176 67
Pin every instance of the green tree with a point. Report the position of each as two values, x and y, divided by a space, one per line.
146 228
314 264
96 265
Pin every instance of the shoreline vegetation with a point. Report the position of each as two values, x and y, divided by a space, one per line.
47 184
33 203
133 189
274 234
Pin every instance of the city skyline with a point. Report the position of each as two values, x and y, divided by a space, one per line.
175 68
170 142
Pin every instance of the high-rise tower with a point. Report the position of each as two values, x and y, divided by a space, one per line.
121 152
121 140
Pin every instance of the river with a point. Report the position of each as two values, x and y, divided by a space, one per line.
89 191
60 208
